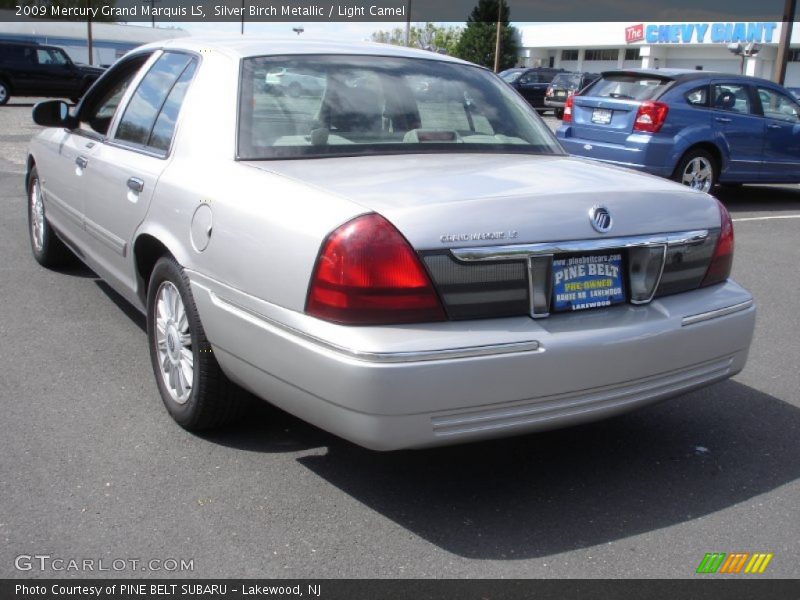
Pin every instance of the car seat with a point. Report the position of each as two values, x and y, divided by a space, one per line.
725 101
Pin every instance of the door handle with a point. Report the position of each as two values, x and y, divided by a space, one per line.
722 119
82 162
136 184
773 126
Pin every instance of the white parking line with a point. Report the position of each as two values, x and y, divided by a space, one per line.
766 218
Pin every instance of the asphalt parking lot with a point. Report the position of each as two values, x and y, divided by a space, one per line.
91 466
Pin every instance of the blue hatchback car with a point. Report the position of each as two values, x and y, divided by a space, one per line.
696 127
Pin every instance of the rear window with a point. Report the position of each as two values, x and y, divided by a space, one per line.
628 87
567 80
315 106
510 76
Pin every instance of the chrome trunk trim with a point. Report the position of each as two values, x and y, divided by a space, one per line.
539 257
714 314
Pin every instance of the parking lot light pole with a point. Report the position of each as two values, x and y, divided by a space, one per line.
497 36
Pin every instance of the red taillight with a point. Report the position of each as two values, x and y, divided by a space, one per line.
567 116
368 274
650 116
722 261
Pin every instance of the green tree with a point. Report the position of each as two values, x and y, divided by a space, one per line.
438 38
477 42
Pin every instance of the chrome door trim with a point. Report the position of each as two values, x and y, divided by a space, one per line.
72 213
101 234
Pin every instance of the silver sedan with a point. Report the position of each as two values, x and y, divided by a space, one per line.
406 259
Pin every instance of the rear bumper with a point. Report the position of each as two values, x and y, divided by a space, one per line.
398 387
554 103
641 151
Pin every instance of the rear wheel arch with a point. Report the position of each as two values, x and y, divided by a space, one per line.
147 249
709 147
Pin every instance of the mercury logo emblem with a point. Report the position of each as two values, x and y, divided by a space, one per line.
600 219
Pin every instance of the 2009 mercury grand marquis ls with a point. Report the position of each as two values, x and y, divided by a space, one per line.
402 254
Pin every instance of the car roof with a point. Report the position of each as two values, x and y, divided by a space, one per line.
681 75
245 47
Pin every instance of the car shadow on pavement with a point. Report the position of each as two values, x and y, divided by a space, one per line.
543 494
759 198
126 307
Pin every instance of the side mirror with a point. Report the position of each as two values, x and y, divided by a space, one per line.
53 113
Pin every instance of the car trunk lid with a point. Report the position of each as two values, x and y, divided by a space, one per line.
458 200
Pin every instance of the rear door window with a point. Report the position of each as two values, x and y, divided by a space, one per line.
164 128
628 86
50 56
732 98
139 119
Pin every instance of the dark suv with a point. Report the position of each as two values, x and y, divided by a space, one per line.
28 69
531 83
563 86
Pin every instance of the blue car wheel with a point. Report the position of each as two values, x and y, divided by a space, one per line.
697 170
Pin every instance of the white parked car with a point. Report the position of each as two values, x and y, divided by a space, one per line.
402 269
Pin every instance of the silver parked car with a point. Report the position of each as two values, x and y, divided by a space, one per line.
403 269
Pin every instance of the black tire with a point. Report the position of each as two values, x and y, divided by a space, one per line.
699 160
48 250
213 400
559 113
5 92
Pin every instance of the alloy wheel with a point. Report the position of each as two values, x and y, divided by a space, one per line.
174 343
37 215
698 174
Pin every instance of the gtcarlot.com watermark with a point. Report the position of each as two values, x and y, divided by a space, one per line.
45 563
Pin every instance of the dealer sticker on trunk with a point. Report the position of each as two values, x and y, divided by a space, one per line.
581 282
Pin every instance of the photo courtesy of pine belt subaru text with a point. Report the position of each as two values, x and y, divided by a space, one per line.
396 249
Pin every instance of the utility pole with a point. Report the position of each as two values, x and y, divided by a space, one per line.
89 31
779 72
242 17
497 34
408 23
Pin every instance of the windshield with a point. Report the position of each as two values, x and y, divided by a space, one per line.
627 87
313 106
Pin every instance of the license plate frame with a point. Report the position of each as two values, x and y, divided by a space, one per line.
602 116
586 281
